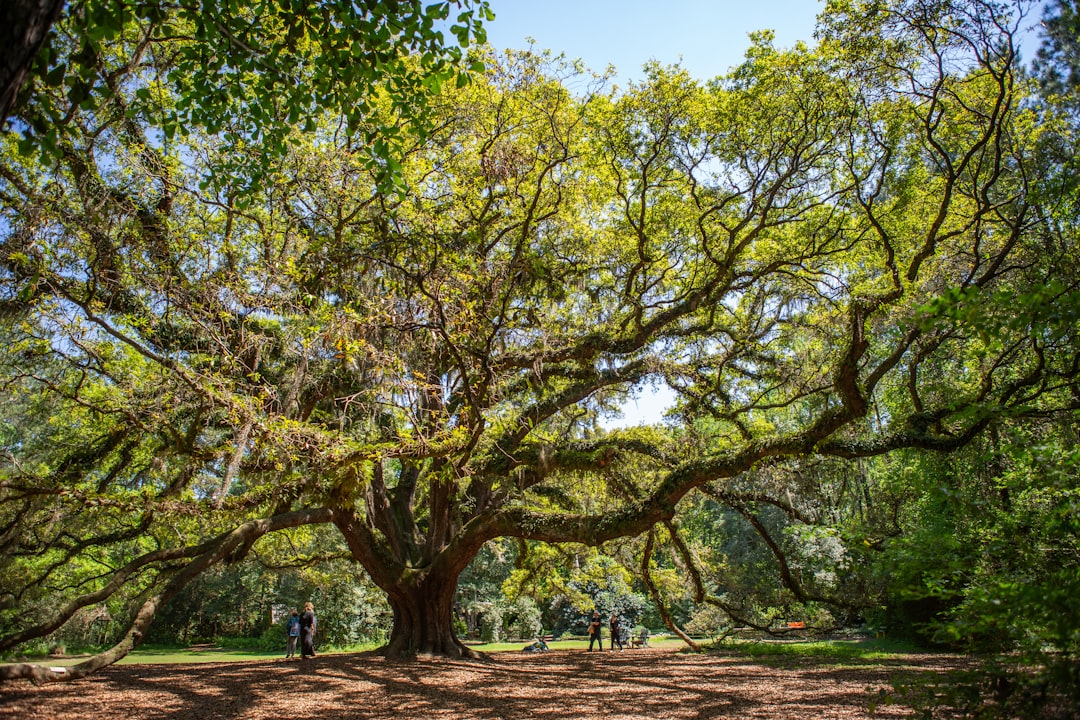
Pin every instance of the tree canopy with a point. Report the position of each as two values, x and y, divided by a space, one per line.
247 73
830 254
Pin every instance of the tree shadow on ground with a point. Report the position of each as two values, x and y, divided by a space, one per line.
559 685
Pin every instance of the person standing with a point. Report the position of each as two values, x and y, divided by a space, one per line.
292 629
307 632
594 631
616 633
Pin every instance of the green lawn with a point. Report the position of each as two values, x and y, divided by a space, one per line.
162 655
185 655
865 649
567 644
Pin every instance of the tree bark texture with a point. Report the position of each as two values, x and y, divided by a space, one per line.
421 593
24 25
423 621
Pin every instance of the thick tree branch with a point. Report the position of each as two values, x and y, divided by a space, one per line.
212 553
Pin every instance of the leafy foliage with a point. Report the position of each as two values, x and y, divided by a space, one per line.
250 73
1058 59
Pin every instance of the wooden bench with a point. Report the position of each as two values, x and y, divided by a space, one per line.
641 640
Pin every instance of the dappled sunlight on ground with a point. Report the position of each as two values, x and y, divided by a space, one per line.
558 685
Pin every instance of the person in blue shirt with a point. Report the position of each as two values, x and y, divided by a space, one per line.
292 629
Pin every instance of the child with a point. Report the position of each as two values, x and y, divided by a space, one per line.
292 629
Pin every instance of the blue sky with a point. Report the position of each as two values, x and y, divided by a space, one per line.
710 36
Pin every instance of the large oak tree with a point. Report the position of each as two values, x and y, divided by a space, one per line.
192 365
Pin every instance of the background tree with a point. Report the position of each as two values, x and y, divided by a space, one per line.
25 26
1058 60
817 253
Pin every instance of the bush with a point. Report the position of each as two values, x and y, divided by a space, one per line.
522 619
491 624
708 621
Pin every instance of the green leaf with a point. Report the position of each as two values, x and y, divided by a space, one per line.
27 146
437 11
56 76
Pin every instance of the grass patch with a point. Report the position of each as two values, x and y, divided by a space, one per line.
161 655
166 655
170 656
863 650
568 644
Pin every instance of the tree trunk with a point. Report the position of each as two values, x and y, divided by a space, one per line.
654 593
24 24
424 620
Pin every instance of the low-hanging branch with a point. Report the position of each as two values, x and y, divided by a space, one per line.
204 556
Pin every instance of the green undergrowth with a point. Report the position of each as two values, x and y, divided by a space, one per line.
852 650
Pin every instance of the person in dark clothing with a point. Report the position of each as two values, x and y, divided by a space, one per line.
616 632
307 632
594 631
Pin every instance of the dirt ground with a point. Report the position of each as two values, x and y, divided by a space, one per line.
557 685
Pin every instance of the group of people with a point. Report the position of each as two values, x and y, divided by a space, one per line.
595 625
300 628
